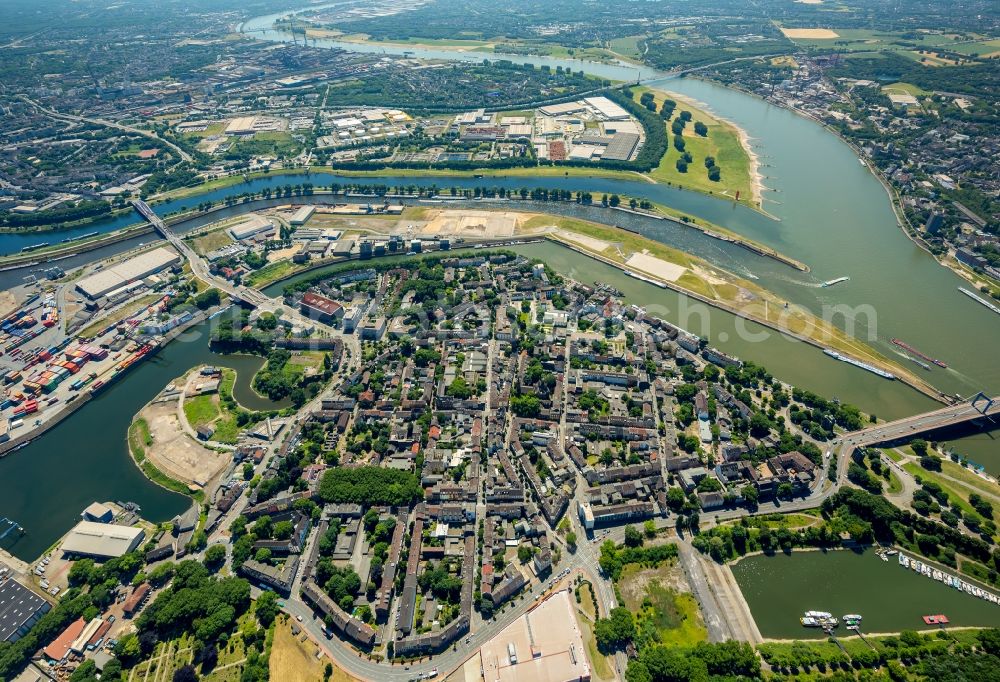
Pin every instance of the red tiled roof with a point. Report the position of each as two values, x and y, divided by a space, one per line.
60 647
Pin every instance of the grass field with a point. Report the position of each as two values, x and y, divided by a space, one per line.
226 428
200 410
293 660
722 143
955 497
117 316
969 478
894 485
587 600
649 594
211 241
601 666
627 46
271 273
904 89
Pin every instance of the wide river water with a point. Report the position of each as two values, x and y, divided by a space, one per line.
832 214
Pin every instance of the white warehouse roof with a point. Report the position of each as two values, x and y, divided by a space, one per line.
117 276
606 108
101 539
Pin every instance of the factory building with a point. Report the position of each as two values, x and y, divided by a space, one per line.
252 226
302 215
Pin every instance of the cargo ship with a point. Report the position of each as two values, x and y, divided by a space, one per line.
907 347
977 298
643 278
67 240
861 365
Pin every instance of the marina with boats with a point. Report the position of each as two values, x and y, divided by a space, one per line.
928 571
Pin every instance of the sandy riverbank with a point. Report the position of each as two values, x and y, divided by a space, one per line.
756 179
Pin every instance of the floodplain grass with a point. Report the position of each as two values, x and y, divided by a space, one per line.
955 498
969 478
722 143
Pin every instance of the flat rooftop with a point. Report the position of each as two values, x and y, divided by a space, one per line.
114 277
546 643
101 539
18 605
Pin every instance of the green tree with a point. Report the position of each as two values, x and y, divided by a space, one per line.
215 556
266 608
524 553
633 538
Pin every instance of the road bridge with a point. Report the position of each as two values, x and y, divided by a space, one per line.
237 292
920 424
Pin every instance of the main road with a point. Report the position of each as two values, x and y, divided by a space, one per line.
52 113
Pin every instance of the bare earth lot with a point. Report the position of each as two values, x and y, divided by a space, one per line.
810 33
481 224
174 452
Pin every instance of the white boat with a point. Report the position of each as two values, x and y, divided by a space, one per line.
810 622
818 614
852 618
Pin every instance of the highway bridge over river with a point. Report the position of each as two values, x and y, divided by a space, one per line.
978 408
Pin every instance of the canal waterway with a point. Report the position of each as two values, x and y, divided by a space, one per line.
46 485
891 598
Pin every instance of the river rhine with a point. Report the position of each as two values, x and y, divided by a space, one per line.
834 216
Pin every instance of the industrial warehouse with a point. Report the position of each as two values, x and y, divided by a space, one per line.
101 540
122 275
20 608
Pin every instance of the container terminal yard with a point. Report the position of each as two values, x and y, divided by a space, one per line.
65 341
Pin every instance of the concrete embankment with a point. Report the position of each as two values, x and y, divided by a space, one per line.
73 248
